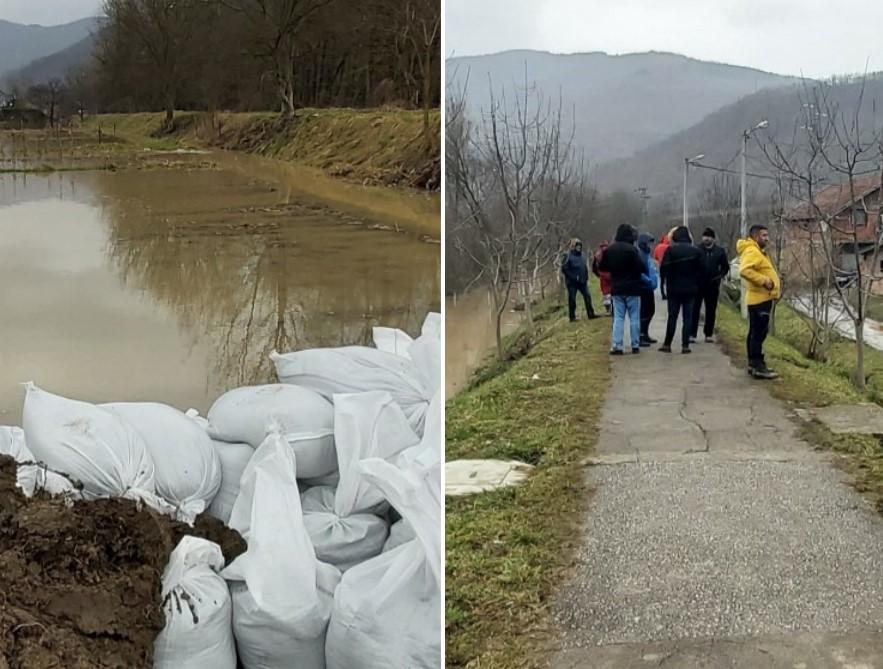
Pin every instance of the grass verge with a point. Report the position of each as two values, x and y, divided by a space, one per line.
508 550
807 383
373 146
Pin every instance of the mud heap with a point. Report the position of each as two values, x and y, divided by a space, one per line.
80 585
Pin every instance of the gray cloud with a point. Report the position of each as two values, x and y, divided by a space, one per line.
784 36
48 12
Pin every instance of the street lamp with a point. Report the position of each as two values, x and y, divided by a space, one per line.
687 163
743 221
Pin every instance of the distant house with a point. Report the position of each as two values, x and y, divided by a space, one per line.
7 100
852 216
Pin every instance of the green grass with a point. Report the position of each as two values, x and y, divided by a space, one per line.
377 146
808 383
509 550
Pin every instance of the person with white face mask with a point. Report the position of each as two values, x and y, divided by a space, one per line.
715 266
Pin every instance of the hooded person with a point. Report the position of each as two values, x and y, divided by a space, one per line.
662 247
623 260
679 276
763 288
715 266
575 269
604 277
651 280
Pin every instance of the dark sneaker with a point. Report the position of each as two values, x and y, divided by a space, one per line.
686 350
709 340
651 340
645 343
636 350
665 348
616 351
761 371
593 316
573 320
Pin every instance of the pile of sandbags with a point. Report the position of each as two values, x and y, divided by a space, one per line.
331 476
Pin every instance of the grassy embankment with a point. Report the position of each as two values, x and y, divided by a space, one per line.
376 146
808 383
509 550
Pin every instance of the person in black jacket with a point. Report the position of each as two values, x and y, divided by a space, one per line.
715 266
680 274
623 260
576 277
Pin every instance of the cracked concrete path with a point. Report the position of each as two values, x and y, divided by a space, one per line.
716 537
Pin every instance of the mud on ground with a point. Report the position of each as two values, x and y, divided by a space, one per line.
80 585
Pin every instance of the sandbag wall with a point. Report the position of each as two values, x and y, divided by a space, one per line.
332 476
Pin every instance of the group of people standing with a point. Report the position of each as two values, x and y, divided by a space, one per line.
688 276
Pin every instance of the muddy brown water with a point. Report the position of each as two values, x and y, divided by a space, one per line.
470 335
174 285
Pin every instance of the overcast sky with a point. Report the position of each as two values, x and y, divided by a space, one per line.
814 37
48 12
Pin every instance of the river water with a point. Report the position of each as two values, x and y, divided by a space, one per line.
174 284
470 335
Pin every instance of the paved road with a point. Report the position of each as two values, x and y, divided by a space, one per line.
716 537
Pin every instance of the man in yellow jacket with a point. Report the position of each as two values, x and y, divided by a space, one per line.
764 288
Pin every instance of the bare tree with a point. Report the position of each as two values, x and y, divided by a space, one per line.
511 179
158 33
838 145
274 28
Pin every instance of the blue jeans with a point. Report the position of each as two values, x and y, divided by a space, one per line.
621 305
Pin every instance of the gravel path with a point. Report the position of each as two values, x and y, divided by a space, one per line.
714 528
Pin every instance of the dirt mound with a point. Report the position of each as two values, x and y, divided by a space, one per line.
80 585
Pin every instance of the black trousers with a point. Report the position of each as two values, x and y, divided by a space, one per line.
572 290
679 304
758 329
648 310
708 295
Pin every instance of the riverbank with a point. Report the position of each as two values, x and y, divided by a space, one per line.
508 550
808 384
371 146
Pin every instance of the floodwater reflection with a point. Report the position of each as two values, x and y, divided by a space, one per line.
175 284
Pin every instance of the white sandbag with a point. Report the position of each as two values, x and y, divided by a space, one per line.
304 417
342 541
432 325
199 615
92 446
12 443
233 458
187 472
366 425
425 352
31 477
282 594
387 611
428 453
392 340
399 533
358 369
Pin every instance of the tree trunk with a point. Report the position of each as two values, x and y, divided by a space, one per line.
860 354
427 92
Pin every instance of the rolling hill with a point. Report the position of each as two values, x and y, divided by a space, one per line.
57 65
659 167
619 104
22 44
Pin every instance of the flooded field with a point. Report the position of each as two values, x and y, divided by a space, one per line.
470 336
173 282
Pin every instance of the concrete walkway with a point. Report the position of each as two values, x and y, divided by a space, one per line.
716 537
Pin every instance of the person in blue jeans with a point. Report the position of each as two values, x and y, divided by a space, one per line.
628 273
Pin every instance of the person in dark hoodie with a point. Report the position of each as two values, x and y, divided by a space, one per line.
623 260
715 266
680 273
576 277
651 280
